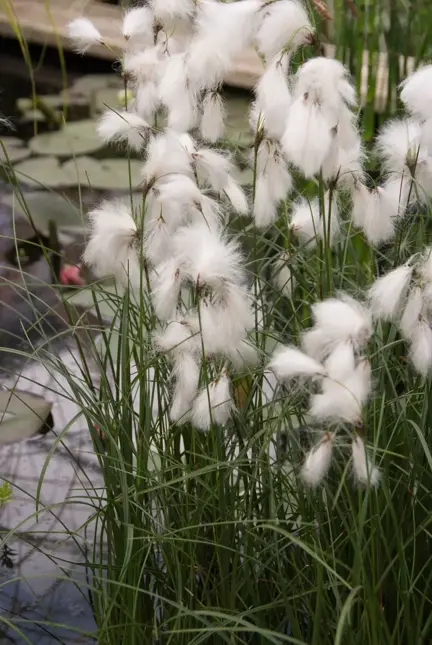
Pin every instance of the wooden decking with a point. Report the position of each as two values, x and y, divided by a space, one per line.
45 22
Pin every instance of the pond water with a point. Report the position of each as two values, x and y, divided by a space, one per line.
43 578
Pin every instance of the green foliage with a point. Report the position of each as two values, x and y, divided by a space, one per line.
5 493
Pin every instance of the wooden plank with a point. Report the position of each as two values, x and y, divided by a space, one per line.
45 22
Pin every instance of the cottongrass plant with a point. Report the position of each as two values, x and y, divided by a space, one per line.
264 392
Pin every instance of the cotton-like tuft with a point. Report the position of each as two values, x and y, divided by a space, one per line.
343 401
177 337
224 324
290 362
224 30
376 211
340 364
143 66
212 123
283 279
138 26
186 374
318 461
207 257
213 404
308 136
125 127
387 293
167 10
421 348
365 473
398 145
416 92
83 34
166 283
343 319
112 246
176 93
146 100
412 312
283 25
274 183
307 223
167 154
273 98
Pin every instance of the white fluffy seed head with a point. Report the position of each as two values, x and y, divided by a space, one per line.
283 25
421 348
167 154
307 223
375 212
274 183
176 93
177 337
138 26
143 66
416 92
207 257
308 136
83 34
412 312
223 30
387 293
123 126
318 461
290 362
186 374
342 319
112 246
167 10
166 281
212 124
213 404
273 98
364 471
342 402
283 279
341 362
399 146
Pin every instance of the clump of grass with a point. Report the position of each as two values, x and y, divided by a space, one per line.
253 495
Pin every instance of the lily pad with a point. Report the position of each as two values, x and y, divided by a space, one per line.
43 172
106 296
103 174
76 105
45 207
87 85
78 138
16 150
103 98
22 415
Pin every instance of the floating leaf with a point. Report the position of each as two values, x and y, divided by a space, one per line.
43 172
78 138
16 150
104 174
23 415
45 207
106 296
90 83
108 97
77 106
